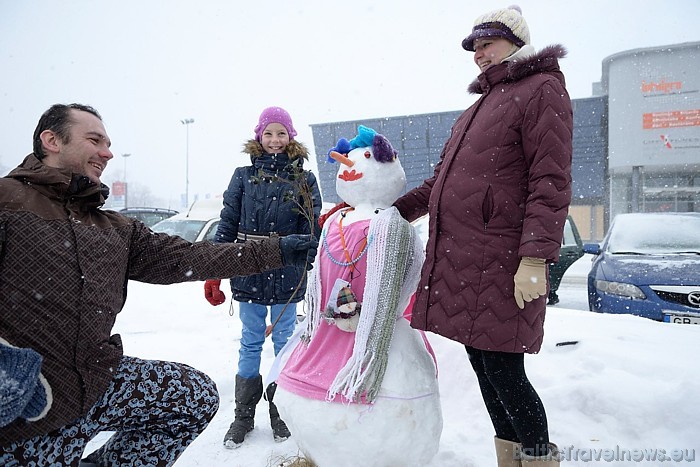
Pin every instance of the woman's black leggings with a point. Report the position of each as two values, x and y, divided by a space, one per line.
515 409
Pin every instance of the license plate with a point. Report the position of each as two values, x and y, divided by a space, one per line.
680 319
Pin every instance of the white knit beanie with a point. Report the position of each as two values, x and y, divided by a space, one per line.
505 22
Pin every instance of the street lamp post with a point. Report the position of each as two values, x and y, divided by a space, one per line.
187 122
126 185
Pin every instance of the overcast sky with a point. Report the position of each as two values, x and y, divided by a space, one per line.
146 65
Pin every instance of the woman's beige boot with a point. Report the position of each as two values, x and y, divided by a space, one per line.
550 460
507 452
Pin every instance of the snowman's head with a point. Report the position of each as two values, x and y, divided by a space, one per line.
370 172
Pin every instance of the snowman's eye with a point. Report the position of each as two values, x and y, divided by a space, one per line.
368 154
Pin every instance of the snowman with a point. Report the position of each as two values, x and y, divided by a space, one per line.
356 384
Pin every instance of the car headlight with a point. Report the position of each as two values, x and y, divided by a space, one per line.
620 288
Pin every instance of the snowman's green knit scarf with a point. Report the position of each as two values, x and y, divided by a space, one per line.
394 260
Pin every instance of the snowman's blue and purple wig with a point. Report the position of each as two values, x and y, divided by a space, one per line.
381 147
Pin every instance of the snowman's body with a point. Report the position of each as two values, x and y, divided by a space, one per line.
402 427
368 397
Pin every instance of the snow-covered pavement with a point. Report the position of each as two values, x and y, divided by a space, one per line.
627 388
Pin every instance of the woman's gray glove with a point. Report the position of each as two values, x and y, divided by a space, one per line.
299 250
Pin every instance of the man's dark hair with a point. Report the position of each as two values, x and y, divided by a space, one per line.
57 119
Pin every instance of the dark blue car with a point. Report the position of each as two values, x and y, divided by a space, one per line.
648 265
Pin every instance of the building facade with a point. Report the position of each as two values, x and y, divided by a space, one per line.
636 145
654 129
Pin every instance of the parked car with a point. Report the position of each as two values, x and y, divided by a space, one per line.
648 265
198 224
149 216
571 250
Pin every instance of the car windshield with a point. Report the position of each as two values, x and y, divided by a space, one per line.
655 234
185 228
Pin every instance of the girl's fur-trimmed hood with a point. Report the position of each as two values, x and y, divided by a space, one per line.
544 61
294 149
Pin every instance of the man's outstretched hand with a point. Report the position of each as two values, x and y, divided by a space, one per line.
299 250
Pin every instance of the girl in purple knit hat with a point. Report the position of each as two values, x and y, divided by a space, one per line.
261 200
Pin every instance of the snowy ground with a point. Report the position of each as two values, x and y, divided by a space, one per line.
628 387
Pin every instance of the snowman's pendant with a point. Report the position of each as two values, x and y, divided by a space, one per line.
342 308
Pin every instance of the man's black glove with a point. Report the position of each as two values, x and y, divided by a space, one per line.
299 250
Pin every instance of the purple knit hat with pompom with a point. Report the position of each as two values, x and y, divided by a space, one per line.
274 115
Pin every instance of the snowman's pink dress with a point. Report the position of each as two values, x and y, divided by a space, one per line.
312 368
318 394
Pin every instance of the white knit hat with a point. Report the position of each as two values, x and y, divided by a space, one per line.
506 22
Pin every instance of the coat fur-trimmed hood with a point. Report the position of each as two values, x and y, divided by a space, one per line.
544 61
294 150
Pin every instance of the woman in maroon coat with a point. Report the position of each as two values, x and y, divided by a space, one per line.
497 203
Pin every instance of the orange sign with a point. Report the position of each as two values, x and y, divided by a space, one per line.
671 119
662 86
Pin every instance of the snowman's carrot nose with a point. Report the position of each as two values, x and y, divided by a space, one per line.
336 156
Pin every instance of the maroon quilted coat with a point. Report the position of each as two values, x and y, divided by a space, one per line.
501 191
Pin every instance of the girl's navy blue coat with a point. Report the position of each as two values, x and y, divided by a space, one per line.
257 202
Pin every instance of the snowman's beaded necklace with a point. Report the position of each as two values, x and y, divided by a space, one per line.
350 261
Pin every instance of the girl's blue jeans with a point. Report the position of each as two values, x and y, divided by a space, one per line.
253 316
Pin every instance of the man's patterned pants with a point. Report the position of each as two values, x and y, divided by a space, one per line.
155 408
